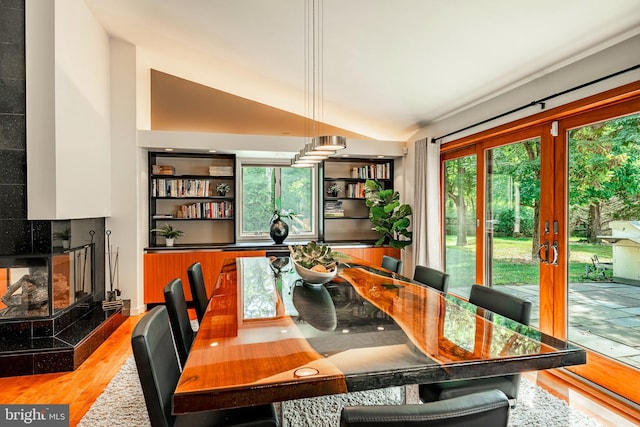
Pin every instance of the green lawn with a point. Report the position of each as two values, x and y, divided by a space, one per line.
513 262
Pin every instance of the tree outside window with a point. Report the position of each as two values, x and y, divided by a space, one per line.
263 185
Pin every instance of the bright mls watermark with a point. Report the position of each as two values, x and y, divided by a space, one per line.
34 415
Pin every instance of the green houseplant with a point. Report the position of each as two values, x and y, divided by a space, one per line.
390 218
64 236
223 188
169 233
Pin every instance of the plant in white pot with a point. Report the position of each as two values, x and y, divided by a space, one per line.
64 236
169 233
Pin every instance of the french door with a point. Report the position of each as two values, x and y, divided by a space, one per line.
539 213
601 257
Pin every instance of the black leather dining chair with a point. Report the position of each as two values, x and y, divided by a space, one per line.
183 334
506 305
487 408
159 372
392 263
198 289
432 277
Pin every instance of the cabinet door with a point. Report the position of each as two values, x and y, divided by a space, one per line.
161 268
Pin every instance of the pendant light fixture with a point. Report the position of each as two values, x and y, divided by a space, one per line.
318 147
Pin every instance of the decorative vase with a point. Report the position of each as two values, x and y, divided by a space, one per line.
222 193
65 244
279 230
168 241
334 194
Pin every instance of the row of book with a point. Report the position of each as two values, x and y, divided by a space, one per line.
333 209
180 188
206 210
355 190
373 171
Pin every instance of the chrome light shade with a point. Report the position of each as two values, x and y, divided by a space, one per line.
328 143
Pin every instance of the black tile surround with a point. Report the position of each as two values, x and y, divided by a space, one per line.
55 345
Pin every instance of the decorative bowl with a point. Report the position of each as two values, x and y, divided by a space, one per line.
314 277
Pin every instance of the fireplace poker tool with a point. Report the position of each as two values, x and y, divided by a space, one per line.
111 303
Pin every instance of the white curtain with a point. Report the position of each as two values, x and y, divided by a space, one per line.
427 248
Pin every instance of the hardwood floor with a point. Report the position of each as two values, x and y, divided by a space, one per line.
82 387
79 388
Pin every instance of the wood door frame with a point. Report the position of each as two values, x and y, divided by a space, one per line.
621 101
603 370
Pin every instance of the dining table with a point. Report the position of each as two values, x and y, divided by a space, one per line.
268 336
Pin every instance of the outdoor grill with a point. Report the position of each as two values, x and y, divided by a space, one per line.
625 238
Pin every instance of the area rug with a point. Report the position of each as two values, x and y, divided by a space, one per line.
122 404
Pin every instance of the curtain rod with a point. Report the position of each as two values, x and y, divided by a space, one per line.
540 102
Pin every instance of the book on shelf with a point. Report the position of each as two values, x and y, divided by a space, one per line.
355 191
372 171
211 210
221 170
333 209
163 170
162 187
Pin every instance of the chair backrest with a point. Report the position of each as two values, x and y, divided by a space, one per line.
487 408
391 263
198 289
179 318
157 364
431 277
501 303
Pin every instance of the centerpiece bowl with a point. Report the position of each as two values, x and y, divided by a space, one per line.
315 263
315 277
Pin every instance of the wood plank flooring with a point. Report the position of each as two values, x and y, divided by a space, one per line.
79 388
82 387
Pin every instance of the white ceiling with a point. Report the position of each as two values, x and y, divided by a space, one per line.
390 67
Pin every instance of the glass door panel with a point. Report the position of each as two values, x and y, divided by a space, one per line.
460 223
512 212
604 238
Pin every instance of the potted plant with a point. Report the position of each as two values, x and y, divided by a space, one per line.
64 235
334 189
169 233
389 217
223 188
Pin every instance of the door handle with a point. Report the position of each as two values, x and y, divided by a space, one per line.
545 246
554 248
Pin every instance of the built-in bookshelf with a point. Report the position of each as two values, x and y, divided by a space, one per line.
184 191
345 216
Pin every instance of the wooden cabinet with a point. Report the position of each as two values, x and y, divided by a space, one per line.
161 268
183 192
345 216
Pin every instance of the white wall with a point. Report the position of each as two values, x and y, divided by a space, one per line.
68 136
128 219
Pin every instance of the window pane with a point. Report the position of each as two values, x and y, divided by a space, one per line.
296 196
460 203
512 215
604 236
258 199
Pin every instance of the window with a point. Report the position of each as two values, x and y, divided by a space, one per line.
264 186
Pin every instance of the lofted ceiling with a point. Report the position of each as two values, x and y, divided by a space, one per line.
389 67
